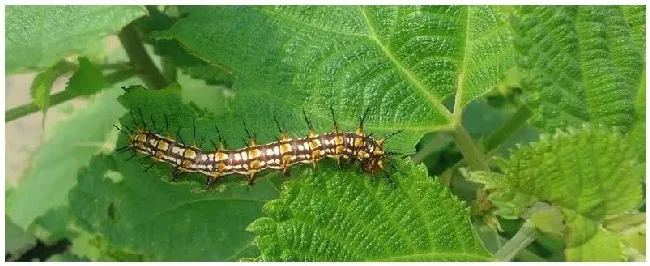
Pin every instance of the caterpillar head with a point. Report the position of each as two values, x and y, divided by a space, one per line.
374 162
373 165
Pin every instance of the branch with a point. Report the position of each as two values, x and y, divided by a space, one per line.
140 60
60 97
169 69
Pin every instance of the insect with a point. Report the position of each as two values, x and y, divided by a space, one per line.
254 158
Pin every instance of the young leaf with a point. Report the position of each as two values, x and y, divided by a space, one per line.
401 61
42 84
589 174
88 80
580 64
39 36
346 216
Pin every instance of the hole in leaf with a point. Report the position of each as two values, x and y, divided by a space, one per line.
112 212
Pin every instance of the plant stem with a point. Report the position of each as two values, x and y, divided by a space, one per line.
433 145
169 69
139 58
521 240
471 154
524 254
503 133
507 129
57 98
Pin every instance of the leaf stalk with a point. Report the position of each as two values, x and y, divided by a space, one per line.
519 241
471 154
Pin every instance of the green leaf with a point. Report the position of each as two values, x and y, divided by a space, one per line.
579 64
588 241
88 80
189 64
161 20
52 226
136 210
635 17
631 228
346 216
65 257
17 241
39 36
589 174
42 84
637 133
57 161
401 61
203 95
159 221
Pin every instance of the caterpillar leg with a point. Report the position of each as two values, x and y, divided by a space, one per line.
251 177
345 164
211 180
284 172
176 174
392 181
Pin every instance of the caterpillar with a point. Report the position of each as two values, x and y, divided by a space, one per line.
254 158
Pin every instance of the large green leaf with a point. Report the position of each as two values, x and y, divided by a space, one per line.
159 221
161 20
135 210
39 36
637 133
401 61
580 64
347 216
635 17
589 174
55 165
43 82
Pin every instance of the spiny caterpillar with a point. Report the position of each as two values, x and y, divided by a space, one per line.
254 158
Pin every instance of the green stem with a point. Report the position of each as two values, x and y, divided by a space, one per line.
471 154
60 97
169 69
503 133
507 129
140 60
433 145
519 241
525 254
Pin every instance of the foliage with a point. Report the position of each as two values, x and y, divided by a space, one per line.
589 174
449 76
39 36
419 220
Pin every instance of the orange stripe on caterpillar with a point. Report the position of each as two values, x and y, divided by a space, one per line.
278 155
